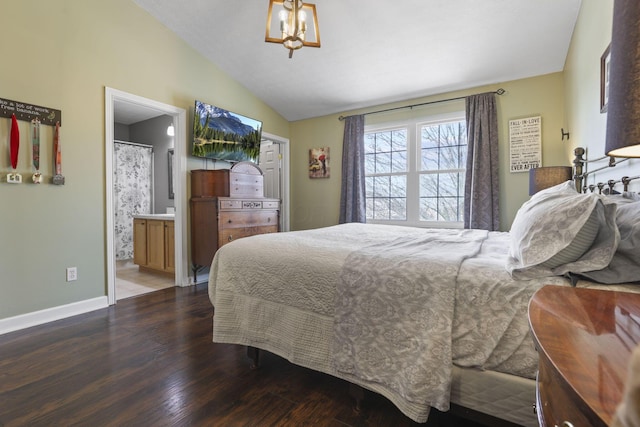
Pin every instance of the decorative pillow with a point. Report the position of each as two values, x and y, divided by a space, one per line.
579 245
625 264
559 231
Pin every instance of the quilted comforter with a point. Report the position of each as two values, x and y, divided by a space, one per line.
389 308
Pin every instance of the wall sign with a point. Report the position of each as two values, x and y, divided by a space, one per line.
525 144
28 112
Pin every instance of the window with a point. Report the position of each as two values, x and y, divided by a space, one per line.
415 172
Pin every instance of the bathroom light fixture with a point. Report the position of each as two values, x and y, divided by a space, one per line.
171 131
287 24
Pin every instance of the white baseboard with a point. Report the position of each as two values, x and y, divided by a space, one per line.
35 318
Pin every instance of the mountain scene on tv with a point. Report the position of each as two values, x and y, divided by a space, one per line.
222 135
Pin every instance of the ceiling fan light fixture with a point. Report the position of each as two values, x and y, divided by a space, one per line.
288 23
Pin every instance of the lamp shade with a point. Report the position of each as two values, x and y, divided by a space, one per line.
545 177
623 108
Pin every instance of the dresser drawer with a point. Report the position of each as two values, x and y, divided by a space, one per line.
244 185
228 235
251 204
230 204
238 203
271 204
557 402
248 218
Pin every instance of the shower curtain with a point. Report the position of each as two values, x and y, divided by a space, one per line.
133 191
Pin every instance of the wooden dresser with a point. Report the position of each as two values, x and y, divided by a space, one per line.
228 204
584 338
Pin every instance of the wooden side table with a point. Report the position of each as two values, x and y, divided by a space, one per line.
584 338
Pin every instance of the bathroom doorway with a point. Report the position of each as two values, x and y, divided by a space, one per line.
141 194
124 277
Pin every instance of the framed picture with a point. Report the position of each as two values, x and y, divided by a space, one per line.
319 163
605 61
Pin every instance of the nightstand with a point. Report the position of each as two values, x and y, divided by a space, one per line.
584 338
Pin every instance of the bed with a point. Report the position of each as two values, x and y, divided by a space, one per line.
425 317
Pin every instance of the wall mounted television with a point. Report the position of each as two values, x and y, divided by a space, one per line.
222 135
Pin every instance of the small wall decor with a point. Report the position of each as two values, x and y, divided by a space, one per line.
605 59
525 144
14 177
319 163
28 112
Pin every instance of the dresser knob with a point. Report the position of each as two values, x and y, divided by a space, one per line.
230 238
535 410
269 219
230 221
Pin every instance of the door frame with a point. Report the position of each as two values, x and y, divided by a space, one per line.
285 182
180 183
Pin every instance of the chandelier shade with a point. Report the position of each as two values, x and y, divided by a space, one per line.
293 24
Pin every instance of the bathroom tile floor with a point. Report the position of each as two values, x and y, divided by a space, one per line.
130 281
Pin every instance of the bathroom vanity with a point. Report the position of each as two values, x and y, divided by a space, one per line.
154 243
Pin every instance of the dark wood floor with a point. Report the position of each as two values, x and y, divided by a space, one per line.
149 361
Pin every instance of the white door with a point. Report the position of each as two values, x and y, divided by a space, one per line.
274 162
271 168
271 164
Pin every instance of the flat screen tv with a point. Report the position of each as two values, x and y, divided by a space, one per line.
222 135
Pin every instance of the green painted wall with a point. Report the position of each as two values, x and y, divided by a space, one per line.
61 54
587 124
591 37
316 202
569 100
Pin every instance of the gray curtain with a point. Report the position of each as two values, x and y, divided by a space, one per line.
352 198
481 183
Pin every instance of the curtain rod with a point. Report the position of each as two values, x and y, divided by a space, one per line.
133 143
499 92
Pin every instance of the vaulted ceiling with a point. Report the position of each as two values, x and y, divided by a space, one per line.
376 51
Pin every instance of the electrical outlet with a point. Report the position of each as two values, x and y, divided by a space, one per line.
72 274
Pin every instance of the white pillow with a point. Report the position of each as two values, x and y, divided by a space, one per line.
625 264
559 231
579 245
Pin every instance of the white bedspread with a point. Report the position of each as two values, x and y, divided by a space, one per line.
438 297
394 311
